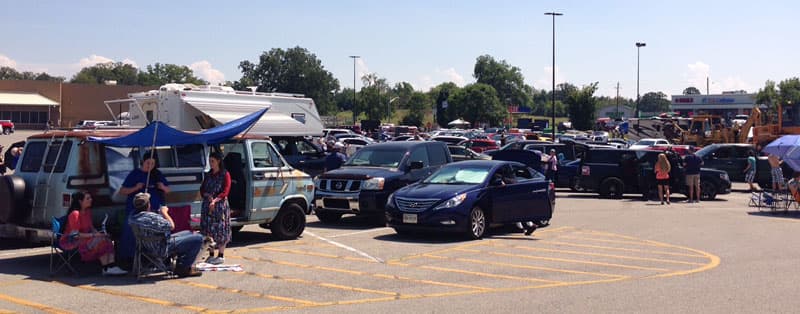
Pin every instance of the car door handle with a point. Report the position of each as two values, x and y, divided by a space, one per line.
258 176
539 191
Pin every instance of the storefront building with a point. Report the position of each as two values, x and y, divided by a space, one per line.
726 104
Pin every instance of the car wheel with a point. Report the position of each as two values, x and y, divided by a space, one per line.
611 187
543 223
5 131
327 217
290 222
236 229
477 223
574 185
707 191
402 231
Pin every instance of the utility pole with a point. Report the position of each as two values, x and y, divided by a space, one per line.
638 45
707 86
553 97
617 101
354 87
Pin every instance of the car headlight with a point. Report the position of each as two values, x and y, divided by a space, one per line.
453 202
723 176
373 184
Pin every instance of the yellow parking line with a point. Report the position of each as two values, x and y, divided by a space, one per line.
243 292
613 241
481 274
619 249
419 255
566 271
361 273
350 258
316 283
31 304
569 260
603 255
138 297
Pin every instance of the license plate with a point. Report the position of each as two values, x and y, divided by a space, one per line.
410 218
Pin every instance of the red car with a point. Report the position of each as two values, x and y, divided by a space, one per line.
681 150
480 145
6 126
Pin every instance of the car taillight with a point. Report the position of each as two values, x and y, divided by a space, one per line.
586 171
552 186
65 200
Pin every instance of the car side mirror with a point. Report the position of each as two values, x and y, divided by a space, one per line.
416 165
496 181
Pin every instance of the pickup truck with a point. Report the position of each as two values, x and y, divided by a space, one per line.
732 158
614 172
6 127
363 184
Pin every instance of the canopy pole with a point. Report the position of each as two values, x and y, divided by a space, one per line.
152 152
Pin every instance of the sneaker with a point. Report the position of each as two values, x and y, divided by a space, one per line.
662 202
210 259
667 202
114 271
183 272
216 260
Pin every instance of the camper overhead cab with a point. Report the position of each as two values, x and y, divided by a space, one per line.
265 189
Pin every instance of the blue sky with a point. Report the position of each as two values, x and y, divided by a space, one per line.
738 44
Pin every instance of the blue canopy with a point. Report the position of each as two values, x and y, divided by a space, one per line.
166 135
786 147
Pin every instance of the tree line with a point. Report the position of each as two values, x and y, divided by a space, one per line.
497 86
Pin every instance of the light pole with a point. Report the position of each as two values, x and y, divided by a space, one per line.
389 111
354 87
553 93
638 45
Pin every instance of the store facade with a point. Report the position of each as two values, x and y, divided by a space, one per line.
726 105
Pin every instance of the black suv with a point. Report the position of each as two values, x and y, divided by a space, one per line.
366 180
614 172
732 158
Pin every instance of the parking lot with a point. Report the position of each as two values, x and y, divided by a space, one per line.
598 255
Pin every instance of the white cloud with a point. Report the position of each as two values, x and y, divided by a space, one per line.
546 81
699 72
92 60
7 62
438 76
131 62
204 70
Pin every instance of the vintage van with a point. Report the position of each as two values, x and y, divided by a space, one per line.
265 189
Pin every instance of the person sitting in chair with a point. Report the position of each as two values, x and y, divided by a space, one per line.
80 233
185 244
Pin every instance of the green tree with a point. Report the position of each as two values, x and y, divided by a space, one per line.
442 95
478 103
789 91
581 107
9 73
122 73
403 91
373 98
691 90
768 95
507 80
295 70
344 100
418 104
654 102
160 74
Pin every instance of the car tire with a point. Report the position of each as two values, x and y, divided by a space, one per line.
574 186
476 226
612 188
327 217
289 223
235 230
402 231
13 202
708 191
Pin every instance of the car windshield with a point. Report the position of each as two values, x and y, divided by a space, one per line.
705 151
457 174
377 158
646 142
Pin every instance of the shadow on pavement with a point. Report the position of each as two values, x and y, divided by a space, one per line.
792 214
37 267
430 237
355 223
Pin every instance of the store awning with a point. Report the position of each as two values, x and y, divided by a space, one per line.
25 99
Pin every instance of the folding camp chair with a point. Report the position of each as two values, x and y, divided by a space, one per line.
152 253
60 258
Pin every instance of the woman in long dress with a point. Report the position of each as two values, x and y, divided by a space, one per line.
215 216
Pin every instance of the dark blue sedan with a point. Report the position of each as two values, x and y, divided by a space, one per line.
470 196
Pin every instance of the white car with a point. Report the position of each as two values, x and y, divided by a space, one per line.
649 142
352 145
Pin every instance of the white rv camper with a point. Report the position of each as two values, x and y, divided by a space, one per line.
192 108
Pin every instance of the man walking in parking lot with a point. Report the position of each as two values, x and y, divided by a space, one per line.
750 170
776 171
692 165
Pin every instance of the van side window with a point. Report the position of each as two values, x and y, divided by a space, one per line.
275 157
521 172
420 154
34 154
305 147
190 156
437 155
261 155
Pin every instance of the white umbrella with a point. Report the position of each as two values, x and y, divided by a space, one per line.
458 122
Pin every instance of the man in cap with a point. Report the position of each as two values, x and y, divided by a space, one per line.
185 244
335 158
